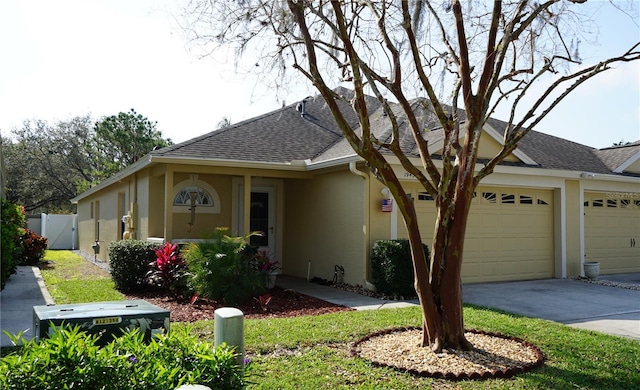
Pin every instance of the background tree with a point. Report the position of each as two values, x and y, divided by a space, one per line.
122 139
46 165
474 55
224 122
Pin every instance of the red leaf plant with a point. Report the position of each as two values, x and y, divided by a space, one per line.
169 269
263 301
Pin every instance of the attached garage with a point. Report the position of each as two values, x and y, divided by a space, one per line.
611 223
509 233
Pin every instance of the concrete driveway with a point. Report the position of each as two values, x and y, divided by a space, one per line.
576 303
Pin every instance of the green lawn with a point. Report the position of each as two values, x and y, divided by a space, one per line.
313 352
72 279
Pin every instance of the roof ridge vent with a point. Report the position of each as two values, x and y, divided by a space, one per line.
301 107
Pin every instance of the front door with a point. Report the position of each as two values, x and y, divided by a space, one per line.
262 216
262 219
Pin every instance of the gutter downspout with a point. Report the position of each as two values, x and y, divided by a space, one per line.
366 223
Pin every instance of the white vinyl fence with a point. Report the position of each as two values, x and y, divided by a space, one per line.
61 230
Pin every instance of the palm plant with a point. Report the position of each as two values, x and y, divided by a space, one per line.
223 268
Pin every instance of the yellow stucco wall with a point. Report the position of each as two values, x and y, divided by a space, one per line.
85 226
107 215
380 222
635 167
488 148
155 212
572 231
324 226
205 223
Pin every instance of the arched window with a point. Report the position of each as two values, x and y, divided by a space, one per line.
183 198
207 199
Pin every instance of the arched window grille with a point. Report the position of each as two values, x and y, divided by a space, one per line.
206 197
183 197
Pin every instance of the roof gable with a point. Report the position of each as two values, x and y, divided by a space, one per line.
621 158
299 131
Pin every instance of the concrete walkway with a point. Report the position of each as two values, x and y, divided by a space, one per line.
572 302
576 303
338 296
23 290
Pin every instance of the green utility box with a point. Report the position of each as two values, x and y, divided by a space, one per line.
108 319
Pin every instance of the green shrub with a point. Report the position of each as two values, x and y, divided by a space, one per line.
224 268
30 247
71 359
12 220
392 268
129 262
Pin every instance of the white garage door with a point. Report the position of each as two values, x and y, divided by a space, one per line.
611 229
509 233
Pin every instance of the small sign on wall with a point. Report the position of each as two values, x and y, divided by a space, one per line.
387 205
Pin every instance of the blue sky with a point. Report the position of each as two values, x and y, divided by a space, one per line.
100 57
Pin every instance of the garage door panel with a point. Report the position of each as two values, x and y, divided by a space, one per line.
472 244
509 221
511 244
489 221
611 222
511 241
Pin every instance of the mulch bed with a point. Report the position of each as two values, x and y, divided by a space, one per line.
283 303
494 355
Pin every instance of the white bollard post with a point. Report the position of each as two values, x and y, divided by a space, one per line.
228 327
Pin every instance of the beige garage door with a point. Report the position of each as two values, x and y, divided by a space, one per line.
509 233
611 229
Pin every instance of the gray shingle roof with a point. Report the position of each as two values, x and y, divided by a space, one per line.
279 136
285 135
615 156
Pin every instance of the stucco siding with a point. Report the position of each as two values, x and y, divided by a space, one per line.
380 222
489 147
85 226
205 222
635 167
324 226
105 214
155 212
572 230
141 200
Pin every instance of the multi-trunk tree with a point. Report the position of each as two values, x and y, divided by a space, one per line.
465 59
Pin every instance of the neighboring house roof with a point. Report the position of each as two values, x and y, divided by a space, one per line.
618 158
535 149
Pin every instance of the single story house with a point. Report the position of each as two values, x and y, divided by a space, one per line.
551 206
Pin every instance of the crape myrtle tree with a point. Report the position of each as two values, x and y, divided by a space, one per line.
474 55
